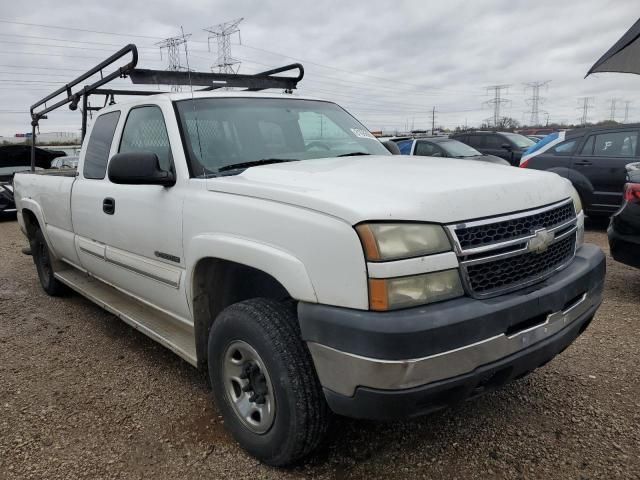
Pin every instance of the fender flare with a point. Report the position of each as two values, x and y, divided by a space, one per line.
280 264
33 207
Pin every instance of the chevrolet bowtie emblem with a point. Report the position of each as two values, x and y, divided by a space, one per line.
541 241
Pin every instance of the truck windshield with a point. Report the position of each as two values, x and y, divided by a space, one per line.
222 132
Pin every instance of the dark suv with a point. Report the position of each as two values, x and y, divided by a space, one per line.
594 160
509 146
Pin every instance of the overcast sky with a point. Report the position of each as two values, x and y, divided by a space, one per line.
389 63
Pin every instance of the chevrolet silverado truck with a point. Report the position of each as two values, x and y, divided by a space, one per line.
273 241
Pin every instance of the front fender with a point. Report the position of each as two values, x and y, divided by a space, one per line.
281 265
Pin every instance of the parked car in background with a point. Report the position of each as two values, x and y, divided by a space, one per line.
17 158
445 147
65 162
594 159
509 146
624 229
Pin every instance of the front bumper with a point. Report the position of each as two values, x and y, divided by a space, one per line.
398 364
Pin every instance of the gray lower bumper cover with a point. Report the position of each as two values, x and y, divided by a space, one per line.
486 331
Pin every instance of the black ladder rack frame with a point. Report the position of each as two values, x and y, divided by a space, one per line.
211 81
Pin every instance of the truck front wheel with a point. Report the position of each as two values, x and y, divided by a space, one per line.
264 382
44 266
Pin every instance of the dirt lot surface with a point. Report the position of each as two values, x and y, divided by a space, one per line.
82 395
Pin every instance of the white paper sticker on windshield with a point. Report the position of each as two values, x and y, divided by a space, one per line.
361 133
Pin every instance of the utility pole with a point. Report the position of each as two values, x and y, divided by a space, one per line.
612 105
535 100
496 102
433 121
586 105
172 46
626 111
222 33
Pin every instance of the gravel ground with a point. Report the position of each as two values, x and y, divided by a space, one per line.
82 395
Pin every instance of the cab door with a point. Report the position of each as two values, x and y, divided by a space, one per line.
602 160
139 227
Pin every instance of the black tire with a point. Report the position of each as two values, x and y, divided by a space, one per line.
301 415
42 260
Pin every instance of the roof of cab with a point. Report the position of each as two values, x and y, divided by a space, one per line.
177 96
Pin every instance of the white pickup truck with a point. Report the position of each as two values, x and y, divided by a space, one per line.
272 240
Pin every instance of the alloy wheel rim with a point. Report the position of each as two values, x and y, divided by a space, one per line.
248 386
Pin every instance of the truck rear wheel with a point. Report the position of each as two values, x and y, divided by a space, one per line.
44 266
264 382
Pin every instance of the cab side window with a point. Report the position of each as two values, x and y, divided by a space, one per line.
616 144
427 149
587 148
97 155
495 141
564 148
475 141
145 131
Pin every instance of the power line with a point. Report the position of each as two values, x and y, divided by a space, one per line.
497 102
77 29
222 33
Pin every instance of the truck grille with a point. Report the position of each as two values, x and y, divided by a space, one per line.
493 232
487 277
499 254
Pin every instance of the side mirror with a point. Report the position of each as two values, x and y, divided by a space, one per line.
506 146
139 168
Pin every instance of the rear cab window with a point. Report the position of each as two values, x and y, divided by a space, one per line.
99 146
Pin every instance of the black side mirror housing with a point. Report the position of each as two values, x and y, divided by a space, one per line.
506 146
139 168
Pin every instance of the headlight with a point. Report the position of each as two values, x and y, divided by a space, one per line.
403 292
393 241
577 203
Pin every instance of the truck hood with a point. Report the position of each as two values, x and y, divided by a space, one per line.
398 187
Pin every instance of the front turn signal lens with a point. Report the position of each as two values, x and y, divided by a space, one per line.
403 292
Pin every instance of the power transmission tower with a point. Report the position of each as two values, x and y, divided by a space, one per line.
496 102
586 105
535 100
223 32
433 120
626 111
612 106
172 46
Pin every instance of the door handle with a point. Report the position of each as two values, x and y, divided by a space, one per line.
585 163
109 206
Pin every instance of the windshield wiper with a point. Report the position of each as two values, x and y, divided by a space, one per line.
254 163
353 154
